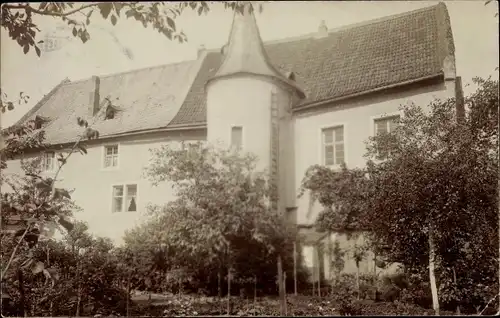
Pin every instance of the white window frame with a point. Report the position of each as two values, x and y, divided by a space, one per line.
379 117
104 154
322 145
124 197
44 160
373 119
242 136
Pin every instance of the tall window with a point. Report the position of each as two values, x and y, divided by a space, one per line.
48 162
333 146
237 137
111 156
386 124
125 198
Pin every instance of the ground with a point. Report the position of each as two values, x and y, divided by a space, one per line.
194 305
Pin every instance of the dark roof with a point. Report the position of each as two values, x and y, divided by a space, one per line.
350 60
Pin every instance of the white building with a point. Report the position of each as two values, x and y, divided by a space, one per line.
296 102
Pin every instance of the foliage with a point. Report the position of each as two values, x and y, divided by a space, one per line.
435 170
221 215
32 201
88 271
17 18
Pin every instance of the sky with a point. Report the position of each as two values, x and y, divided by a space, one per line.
474 27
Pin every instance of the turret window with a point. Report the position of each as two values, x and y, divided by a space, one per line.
236 137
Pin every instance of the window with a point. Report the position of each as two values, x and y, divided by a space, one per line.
237 137
333 146
386 124
50 44
125 198
48 162
111 156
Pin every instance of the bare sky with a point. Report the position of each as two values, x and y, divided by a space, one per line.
474 25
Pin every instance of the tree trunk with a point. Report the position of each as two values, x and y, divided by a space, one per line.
432 275
79 294
22 300
331 270
229 291
128 295
254 293
295 268
319 277
284 292
280 286
456 286
219 289
357 280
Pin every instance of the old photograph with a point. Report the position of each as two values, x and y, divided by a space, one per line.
249 158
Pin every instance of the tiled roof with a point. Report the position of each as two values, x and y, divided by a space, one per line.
354 59
350 60
146 99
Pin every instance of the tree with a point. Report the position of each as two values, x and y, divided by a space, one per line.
33 199
429 196
17 18
221 213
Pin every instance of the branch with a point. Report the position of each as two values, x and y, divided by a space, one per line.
51 197
54 14
492 299
14 252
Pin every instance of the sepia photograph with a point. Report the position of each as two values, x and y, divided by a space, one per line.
249 158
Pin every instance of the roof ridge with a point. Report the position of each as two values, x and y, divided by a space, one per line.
277 41
131 71
353 25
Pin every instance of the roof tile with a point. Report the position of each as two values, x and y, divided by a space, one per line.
350 60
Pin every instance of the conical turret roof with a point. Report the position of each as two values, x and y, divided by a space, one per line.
245 51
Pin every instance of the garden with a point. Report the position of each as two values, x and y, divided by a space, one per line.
428 200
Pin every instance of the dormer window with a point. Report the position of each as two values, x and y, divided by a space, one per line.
40 121
110 112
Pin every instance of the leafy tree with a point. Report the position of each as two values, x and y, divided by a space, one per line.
89 273
221 214
17 18
429 196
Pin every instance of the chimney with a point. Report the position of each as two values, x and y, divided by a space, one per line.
459 99
201 49
94 95
322 30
